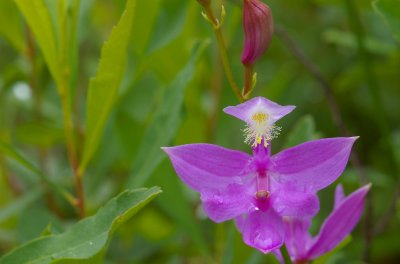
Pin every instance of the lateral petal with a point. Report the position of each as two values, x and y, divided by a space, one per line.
339 223
218 174
206 167
314 164
297 238
339 196
231 202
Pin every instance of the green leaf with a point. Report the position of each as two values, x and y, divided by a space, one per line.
103 89
349 40
37 16
12 30
177 206
304 130
88 238
20 204
146 14
165 124
389 11
9 151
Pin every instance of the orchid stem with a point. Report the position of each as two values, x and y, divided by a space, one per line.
209 14
285 255
248 81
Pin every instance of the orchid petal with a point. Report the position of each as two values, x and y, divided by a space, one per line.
297 238
294 202
339 223
314 164
277 253
339 195
222 205
240 221
217 173
207 167
263 231
245 110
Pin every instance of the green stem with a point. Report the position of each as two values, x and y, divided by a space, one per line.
285 255
248 81
66 99
222 48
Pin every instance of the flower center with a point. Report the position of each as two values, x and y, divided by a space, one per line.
260 129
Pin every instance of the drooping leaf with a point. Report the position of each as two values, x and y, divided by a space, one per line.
165 124
37 15
103 88
88 238
389 11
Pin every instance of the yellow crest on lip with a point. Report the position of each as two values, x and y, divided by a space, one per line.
259 117
259 128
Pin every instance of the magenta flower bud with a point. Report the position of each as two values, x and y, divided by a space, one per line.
258 27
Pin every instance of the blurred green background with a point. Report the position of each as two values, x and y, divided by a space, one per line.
338 61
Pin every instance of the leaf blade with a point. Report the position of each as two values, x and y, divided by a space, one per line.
71 245
388 10
39 20
103 88
167 119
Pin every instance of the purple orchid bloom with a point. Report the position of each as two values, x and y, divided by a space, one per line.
257 191
347 211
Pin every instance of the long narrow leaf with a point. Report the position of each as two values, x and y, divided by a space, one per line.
103 89
39 20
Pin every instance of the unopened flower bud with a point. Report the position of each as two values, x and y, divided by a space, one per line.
258 28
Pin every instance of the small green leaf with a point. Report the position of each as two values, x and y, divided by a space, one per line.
37 16
88 238
165 124
389 11
103 89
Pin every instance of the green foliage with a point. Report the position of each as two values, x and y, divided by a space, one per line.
86 239
103 88
39 20
389 10
69 100
167 119
12 30
304 130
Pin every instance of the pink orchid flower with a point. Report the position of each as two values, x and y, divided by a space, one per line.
259 190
